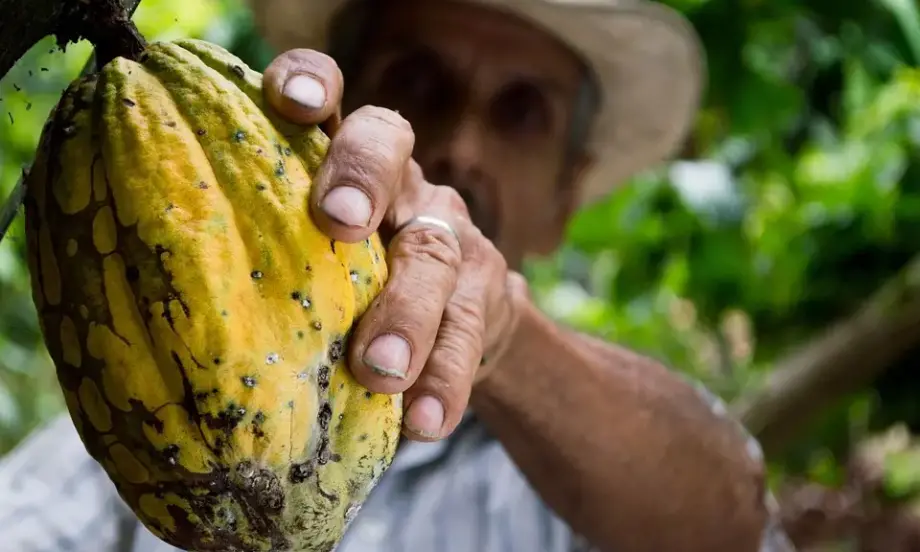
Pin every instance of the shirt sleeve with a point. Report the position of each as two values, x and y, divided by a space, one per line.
54 497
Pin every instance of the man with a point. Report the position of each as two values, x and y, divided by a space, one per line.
492 122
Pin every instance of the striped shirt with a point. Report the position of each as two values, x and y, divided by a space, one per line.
462 494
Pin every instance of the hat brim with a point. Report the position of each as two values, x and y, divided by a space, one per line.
646 56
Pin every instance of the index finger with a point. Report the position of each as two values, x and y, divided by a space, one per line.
304 86
362 173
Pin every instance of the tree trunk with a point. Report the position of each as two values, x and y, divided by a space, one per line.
26 22
842 360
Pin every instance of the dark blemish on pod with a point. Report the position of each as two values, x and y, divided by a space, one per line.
128 102
238 71
257 420
239 135
363 437
256 274
201 132
171 454
308 268
336 350
272 358
332 245
322 377
290 404
336 457
170 207
300 334
288 152
367 395
228 418
171 124
224 313
217 360
317 325
300 472
279 168
248 381
202 185
324 416
260 487
368 280
260 187
323 457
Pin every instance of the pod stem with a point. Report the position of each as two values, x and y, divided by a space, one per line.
107 25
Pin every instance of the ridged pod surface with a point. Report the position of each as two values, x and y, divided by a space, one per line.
197 317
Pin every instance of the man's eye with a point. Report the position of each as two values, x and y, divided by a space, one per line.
416 82
521 108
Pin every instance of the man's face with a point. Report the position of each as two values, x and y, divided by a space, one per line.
490 101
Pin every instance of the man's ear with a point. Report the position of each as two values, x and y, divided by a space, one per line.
570 184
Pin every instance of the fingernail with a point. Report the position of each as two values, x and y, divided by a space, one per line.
349 206
425 417
388 355
306 91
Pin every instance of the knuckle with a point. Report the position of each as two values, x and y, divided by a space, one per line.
429 243
365 162
384 117
468 318
451 198
448 369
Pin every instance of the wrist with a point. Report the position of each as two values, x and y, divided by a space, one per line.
529 335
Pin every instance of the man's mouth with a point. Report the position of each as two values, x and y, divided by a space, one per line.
484 218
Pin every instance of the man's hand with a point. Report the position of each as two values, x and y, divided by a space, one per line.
449 303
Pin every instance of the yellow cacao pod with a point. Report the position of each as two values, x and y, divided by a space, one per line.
197 317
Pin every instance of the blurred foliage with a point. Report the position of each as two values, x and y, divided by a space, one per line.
795 200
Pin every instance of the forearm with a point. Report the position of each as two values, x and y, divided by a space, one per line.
621 448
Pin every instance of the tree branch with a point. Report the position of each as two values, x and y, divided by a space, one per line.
26 22
844 359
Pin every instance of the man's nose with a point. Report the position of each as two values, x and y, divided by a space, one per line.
459 156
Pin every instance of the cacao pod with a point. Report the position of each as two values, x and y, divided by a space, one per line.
197 317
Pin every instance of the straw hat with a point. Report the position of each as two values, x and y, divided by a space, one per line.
646 57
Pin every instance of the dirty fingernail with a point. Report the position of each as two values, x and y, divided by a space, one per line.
425 417
306 91
349 206
388 355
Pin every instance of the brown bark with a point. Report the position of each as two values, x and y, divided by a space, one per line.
843 359
26 22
